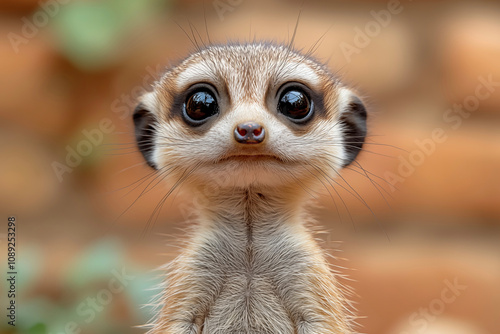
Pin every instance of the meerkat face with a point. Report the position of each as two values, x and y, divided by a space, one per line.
246 115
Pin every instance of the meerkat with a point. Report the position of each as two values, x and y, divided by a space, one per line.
257 128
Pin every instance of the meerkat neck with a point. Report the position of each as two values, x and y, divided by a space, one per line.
252 205
254 211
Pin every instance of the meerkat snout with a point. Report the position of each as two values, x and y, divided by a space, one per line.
249 133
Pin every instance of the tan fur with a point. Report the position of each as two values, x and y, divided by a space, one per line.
252 264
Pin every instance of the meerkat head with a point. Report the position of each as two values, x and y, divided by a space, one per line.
249 115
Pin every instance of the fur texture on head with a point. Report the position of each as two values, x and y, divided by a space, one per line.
259 125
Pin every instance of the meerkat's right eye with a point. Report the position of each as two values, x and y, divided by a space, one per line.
200 105
295 104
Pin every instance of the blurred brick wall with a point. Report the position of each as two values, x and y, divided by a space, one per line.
443 221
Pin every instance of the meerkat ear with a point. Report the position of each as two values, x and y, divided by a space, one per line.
144 122
353 121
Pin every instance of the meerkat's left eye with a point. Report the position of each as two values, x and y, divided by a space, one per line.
295 104
199 106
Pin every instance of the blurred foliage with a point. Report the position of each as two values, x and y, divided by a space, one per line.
91 33
89 274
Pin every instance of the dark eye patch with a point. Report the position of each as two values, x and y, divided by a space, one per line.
177 108
200 105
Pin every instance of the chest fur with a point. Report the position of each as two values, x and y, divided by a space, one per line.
254 265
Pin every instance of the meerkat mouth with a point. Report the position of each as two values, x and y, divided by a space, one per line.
250 158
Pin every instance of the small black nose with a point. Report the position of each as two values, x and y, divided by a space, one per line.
249 133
